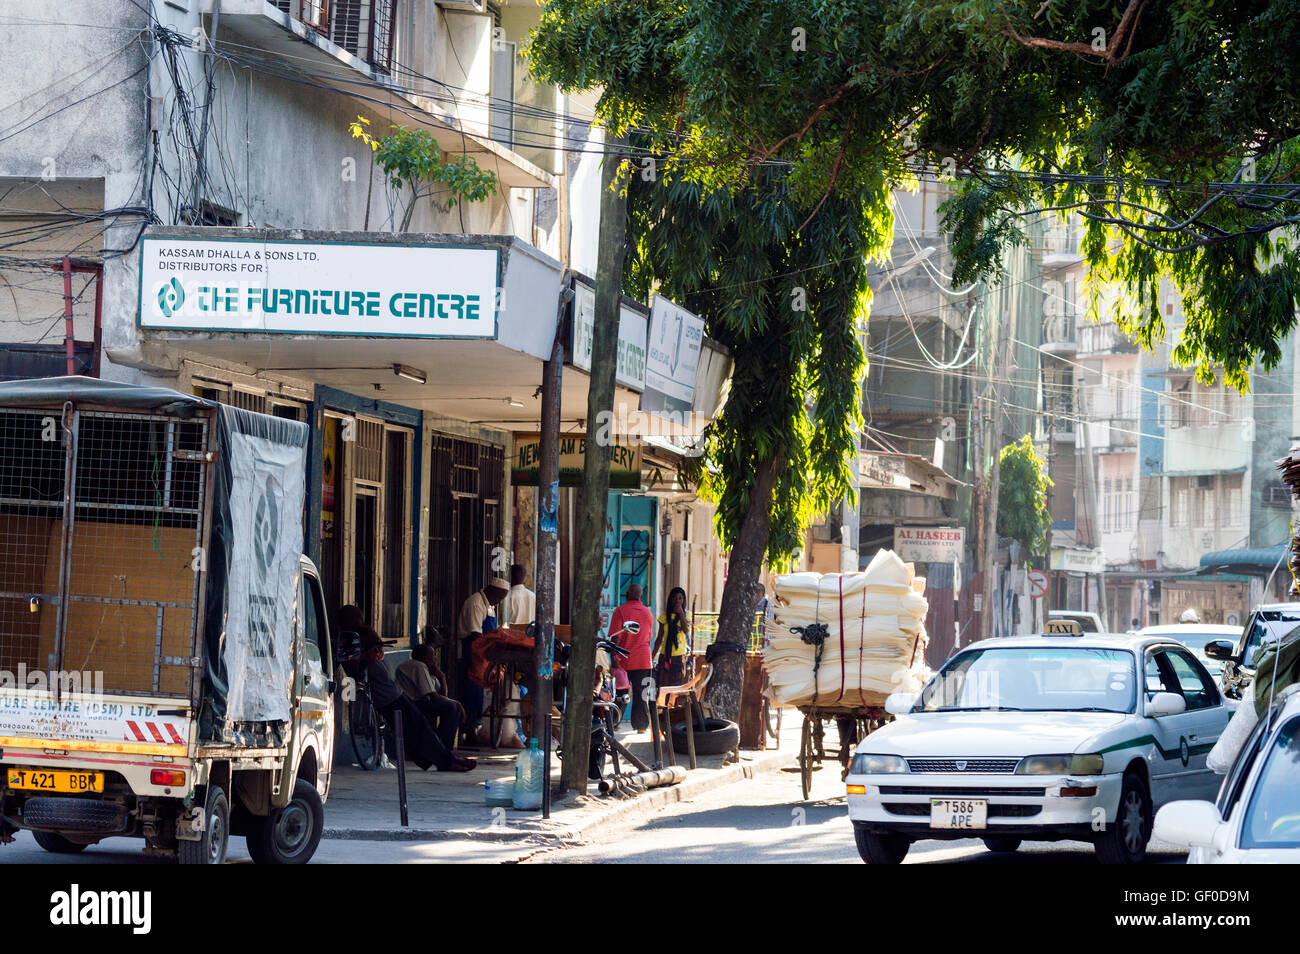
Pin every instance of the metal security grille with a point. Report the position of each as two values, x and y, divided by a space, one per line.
101 540
369 457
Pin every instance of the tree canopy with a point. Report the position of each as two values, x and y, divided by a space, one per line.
1170 127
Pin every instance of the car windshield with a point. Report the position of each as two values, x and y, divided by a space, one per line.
1196 643
1273 816
1051 678
1266 627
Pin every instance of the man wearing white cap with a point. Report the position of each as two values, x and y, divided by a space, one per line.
477 615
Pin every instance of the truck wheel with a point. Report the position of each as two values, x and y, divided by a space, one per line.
880 849
289 835
57 844
211 848
1002 843
1125 841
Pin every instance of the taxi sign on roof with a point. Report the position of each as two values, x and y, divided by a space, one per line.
1063 627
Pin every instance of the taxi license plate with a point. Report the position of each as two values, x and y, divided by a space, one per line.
43 781
959 813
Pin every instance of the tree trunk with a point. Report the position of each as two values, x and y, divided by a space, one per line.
741 594
589 573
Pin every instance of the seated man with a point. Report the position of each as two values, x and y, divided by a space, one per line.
420 678
423 746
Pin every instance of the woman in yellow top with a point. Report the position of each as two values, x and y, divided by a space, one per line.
671 642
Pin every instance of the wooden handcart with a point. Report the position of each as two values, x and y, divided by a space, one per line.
854 724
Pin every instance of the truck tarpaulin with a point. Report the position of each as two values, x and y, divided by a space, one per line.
256 541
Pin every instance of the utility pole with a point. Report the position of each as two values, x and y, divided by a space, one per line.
548 499
1003 368
1090 495
589 572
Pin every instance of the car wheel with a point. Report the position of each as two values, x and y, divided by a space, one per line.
211 848
880 849
1003 843
289 835
1124 842
56 844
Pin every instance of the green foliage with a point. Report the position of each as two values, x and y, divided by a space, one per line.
851 93
412 160
1022 496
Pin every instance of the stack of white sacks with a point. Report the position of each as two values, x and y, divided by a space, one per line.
876 635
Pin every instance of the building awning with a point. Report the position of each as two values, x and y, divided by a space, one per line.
1206 471
1255 560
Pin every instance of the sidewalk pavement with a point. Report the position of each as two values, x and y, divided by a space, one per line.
450 805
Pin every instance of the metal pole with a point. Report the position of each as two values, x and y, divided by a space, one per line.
548 499
68 335
401 766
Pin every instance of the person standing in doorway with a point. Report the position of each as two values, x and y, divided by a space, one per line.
521 602
630 627
670 643
477 616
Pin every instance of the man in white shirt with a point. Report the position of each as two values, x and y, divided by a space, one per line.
521 602
478 607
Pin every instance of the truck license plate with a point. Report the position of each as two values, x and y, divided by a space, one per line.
959 813
43 781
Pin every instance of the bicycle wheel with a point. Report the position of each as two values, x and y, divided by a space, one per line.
806 756
772 720
366 732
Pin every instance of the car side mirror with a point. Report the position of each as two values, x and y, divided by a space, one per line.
1166 704
899 703
1187 824
1219 649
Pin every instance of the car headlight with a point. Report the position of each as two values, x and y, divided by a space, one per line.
1090 764
865 763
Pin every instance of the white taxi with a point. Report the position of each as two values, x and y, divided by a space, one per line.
1041 738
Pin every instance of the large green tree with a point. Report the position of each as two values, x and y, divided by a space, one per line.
1170 126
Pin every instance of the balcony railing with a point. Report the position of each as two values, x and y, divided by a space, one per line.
362 27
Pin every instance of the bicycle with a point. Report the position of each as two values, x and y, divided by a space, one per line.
366 726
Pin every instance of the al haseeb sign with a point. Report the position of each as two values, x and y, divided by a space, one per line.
411 291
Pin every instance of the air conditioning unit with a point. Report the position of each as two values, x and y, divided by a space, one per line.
464 6
1204 482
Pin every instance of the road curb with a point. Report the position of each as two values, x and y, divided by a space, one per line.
620 811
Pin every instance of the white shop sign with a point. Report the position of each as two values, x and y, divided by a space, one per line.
930 544
631 370
1077 561
408 291
672 356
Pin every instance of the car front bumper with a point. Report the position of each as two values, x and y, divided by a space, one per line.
1023 806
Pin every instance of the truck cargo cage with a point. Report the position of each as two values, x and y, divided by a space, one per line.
102 536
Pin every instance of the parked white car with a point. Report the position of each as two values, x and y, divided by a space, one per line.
1256 818
1040 738
1194 636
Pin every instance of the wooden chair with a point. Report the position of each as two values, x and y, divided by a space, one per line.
691 694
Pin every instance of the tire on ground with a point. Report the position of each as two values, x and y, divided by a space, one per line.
289 835
56 844
1124 842
1004 843
879 848
210 849
718 737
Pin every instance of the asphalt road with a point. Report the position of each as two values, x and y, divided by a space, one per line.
764 821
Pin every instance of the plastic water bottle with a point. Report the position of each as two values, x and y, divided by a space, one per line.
529 778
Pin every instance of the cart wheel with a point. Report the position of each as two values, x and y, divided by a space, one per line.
806 757
819 738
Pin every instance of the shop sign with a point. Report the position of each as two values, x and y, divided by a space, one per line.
930 544
672 357
252 285
631 368
1077 561
624 461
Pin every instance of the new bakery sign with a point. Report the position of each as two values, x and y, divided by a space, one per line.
231 284
930 544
